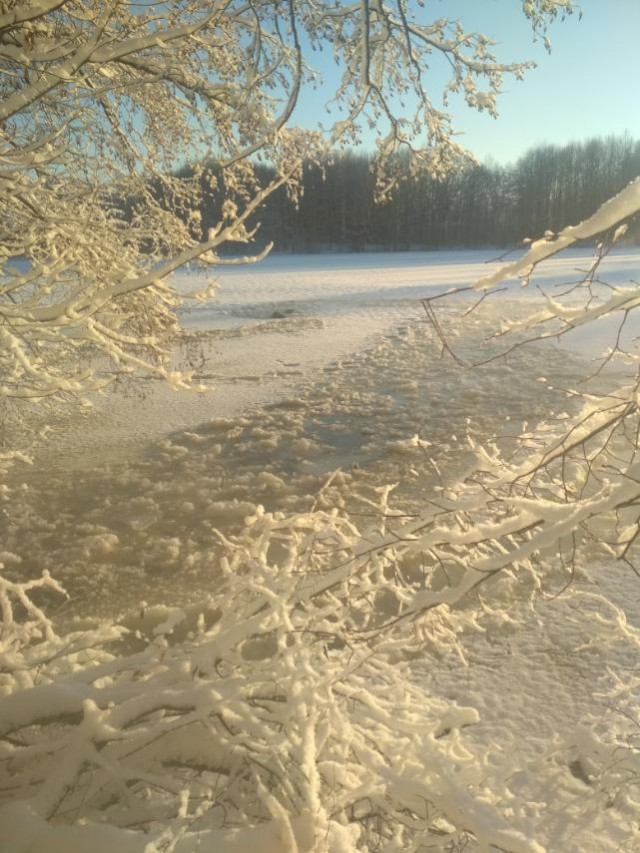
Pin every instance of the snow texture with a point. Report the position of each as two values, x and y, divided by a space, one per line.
505 720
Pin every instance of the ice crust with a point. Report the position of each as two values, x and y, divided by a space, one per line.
317 408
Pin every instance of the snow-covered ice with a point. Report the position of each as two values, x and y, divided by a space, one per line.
275 327
326 383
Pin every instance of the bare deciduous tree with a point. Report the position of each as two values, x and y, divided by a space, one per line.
289 719
102 101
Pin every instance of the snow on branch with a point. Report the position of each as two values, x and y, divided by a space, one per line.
128 137
611 214
286 721
284 715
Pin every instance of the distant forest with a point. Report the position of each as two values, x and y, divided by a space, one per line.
485 205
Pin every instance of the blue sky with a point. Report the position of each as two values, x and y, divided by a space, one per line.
588 85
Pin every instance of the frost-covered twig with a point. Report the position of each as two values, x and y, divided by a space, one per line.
294 715
101 103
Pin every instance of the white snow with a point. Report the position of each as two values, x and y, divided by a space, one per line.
328 307
341 391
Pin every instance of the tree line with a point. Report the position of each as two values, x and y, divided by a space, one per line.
483 205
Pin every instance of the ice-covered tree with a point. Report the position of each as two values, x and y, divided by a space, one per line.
101 102
289 720
575 476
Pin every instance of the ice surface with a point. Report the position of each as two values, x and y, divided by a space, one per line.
348 376
326 307
327 384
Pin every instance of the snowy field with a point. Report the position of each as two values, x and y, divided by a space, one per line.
326 383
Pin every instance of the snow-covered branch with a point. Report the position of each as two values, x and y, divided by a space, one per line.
118 122
611 215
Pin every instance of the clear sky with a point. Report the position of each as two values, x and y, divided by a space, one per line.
588 86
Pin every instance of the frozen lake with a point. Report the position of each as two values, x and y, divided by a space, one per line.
278 326
328 382
333 284
316 364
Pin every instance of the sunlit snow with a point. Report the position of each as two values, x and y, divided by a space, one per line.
326 383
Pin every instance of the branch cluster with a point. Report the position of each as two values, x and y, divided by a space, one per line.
101 102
